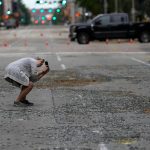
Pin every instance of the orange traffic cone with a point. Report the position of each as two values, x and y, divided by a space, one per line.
46 43
5 44
107 41
41 34
131 41
119 41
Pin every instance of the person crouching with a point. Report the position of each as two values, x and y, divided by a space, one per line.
23 73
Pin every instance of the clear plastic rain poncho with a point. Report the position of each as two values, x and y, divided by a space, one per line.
22 71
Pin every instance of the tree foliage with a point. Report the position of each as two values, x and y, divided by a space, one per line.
25 17
97 6
91 5
146 4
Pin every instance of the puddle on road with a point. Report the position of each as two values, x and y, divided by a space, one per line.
70 78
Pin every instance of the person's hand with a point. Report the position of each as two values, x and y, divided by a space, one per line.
43 72
46 69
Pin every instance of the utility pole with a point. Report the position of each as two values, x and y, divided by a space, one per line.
116 6
7 6
105 7
133 10
72 11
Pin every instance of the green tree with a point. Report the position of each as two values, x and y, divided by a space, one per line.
25 17
97 6
147 7
140 9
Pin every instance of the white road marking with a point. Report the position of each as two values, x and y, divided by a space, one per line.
140 61
89 53
63 66
21 119
58 57
95 131
70 53
102 147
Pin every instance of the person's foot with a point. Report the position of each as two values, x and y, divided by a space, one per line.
27 103
23 103
19 104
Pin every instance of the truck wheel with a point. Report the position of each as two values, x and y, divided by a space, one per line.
144 37
83 38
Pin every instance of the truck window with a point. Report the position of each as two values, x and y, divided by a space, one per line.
118 19
103 20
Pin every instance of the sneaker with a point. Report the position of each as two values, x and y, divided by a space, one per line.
27 103
19 104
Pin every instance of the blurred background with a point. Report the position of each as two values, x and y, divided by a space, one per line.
64 12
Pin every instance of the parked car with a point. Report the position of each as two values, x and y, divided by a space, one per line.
109 26
10 23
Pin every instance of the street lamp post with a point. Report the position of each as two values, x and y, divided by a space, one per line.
116 5
133 10
105 6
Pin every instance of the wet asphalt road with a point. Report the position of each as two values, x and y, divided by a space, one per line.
96 97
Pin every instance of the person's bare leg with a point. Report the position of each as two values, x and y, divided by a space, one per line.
22 88
25 90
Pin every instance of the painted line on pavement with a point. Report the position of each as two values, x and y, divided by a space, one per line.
63 66
140 61
58 57
69 53
74 53
102 147
84 53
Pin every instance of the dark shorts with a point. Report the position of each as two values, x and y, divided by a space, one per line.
14 83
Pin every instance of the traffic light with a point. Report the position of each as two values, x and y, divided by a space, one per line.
55 2
58 10
41 1
36 21
49 18
50 10
43 18
42 10
43 22
8 12
54 18
64 2
34 10
38 2
1 3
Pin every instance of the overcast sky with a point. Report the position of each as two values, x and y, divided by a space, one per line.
29 3
32 4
